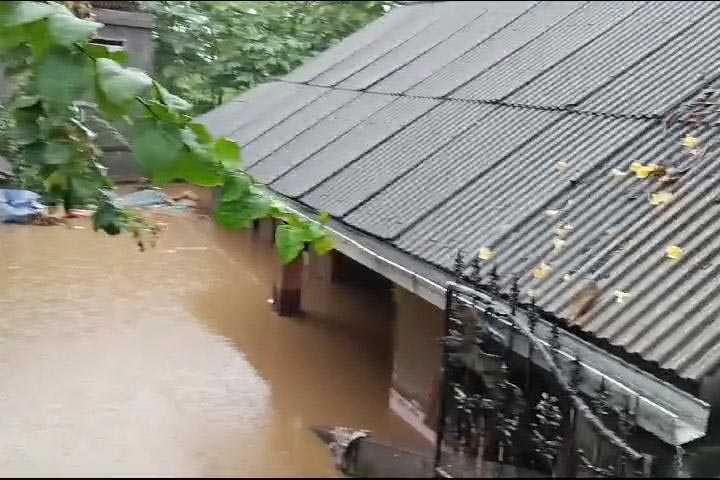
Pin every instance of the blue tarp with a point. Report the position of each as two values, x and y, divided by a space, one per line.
19 206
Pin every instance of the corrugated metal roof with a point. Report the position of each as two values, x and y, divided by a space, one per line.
513 37
295 124
619 239
352 145
534 178
353 43
284 100
484 145
454 17
431 175
318 136
617 50
439 56
564 38
408 148
665 77
416 24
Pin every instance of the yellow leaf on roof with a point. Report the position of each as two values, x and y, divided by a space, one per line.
644 171
690 142
635 167
486 254
542 271
674 252
660 198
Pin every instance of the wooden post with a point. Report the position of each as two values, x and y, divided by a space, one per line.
287 290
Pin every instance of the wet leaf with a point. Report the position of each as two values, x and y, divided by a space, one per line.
690 142
621 295
324 218
290 242
542 271
119 86
564 230
558 244
552 213
616 172
486 254
660 198
674 252
561 166
66 29
323 245
227 152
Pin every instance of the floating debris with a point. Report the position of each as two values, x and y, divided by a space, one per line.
486 254
674 252
660 198
541 271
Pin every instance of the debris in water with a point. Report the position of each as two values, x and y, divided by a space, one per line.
143 198
78 227
19 206
187 194
192 248
270 300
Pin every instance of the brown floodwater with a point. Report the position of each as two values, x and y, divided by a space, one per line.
171 362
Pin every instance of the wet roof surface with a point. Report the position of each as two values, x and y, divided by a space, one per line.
456 125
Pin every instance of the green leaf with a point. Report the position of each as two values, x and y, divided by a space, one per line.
156 146
11 37
323 245
228 153
56 183
20 13
26 117
58 153
63 77
109 218
120 86
172 101
236 187
65 29
240 214
101 51
290 242
203 136
324 218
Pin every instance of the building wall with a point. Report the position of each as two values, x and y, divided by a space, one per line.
419 326
134 30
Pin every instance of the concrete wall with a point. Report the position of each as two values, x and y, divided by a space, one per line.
419 326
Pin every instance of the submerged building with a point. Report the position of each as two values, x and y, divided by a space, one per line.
551 143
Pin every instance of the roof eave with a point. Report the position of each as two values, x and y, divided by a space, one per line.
673 415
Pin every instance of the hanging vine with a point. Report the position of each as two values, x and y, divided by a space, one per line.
56 70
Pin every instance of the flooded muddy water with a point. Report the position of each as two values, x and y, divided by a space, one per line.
171 362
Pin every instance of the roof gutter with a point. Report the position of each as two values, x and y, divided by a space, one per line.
671 414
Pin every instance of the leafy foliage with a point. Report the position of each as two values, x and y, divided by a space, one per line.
47 46
208 51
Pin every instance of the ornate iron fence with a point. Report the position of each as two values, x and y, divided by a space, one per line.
504 416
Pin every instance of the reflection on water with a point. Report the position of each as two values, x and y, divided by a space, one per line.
170 362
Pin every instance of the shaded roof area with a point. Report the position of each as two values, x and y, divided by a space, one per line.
461 125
